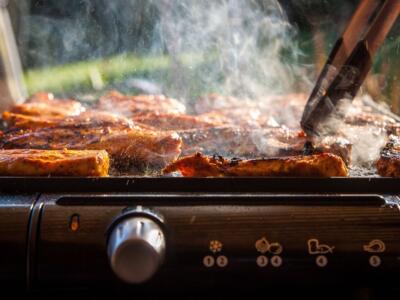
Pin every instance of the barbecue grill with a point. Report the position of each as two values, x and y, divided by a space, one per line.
160 234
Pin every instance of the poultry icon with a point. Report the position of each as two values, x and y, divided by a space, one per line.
314 247
264 246
375 246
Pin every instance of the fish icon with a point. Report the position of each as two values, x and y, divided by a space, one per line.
314 247
375 246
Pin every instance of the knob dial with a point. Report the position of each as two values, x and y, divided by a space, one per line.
136 248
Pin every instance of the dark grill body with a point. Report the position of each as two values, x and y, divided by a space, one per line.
321 232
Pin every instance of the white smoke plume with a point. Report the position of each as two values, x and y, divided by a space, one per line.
367 139
249 46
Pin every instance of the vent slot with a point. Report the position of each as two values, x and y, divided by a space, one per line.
223 199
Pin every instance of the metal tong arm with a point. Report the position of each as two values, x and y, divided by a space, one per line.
350 60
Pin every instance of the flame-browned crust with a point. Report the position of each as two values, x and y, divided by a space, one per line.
119 137
164 121
100 118
269 142
44 104
130 106
318 165
28 162
388 164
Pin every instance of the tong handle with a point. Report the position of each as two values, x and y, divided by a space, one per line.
382 25
350 60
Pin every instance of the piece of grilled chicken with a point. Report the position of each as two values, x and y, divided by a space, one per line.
319 165
44 104
28 162
15 121
388 164
130 106
126 143
379 121
269 142
271 111
216 102
163 121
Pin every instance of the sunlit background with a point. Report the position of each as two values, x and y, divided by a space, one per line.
188 48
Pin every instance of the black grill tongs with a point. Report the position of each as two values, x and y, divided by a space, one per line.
349 61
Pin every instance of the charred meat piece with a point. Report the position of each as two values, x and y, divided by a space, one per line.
269 111
236 141
270 142
19 121
393 129
124 142
14 120
130 106
369 118
216 102
28 162
163 121
390 125
337 145
245 117
389 163
319 165
44 104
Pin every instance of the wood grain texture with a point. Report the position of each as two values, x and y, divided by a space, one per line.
81 255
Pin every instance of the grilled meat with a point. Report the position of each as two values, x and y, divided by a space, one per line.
43 104
19 121
216 102
319 165
27 162
369 118
261 113
235 141
386 123
40 97
389 163
13 120
244 117
176 122
130 106
124 142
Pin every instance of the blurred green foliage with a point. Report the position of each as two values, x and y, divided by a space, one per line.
71 46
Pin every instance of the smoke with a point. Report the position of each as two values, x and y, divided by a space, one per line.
251 52
367 139
367 143
243 48
248 47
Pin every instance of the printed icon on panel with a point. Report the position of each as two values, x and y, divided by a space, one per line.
215 246
265 247
375 246
221 261
316 248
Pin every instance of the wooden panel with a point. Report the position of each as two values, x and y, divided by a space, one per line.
81 255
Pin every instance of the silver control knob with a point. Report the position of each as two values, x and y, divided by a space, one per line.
136 248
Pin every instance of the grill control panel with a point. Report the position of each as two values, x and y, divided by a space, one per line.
175 240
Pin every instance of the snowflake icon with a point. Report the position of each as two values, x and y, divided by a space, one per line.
215 246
